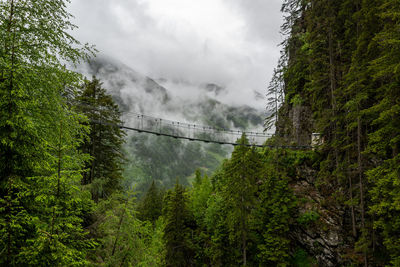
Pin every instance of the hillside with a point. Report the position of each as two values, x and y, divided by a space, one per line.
159 158
76 189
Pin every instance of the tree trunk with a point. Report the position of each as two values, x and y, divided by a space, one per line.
360 174
244 243
119 227
9 168
58 179
353 218
332 79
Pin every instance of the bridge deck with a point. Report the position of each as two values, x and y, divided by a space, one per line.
193 132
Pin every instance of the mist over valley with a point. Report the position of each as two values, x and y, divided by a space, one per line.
164 159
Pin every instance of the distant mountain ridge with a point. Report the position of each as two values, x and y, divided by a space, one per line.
162 159
138 93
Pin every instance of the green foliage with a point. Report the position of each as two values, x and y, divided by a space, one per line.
248 211
104 170
308 217
150 207
218 249
302 259
384 141
341 59
274 214
124 240
178 228
198 203
296 100
199 196
41 199
385 195
240 177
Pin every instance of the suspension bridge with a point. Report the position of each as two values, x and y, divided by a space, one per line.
193 132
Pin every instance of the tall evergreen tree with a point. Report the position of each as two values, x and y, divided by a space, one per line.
104 170
275 98
199 197
274 213
384 140
341 59
179 224
241 174
150 207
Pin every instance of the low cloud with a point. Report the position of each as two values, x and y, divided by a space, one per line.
232 43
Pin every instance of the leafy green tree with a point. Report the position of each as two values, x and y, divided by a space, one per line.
59 204
38 154
104 173
124 239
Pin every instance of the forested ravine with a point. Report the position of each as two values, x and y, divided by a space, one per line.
324 191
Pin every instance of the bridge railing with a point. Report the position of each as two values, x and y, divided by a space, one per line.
191 131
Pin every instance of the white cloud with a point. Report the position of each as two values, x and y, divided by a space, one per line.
229 42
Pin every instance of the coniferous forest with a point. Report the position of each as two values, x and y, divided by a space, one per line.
324 191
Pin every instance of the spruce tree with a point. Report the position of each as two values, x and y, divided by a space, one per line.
274 213
150 207
199 198
241 174
219 250
275 98
384 140
341 58
104 170
179 224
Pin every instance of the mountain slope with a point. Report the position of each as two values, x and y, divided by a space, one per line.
161 158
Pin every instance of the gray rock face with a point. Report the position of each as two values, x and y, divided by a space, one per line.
301 119
295 125
323 238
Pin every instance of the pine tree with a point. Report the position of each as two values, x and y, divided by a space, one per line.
150 207
179 224
241 174
275 98
384 141
341 58
274 213
199 198
59 203
104 173
219 251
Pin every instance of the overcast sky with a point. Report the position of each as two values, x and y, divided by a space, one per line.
233 43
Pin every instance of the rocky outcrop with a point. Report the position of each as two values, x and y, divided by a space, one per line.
294 124
320 231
